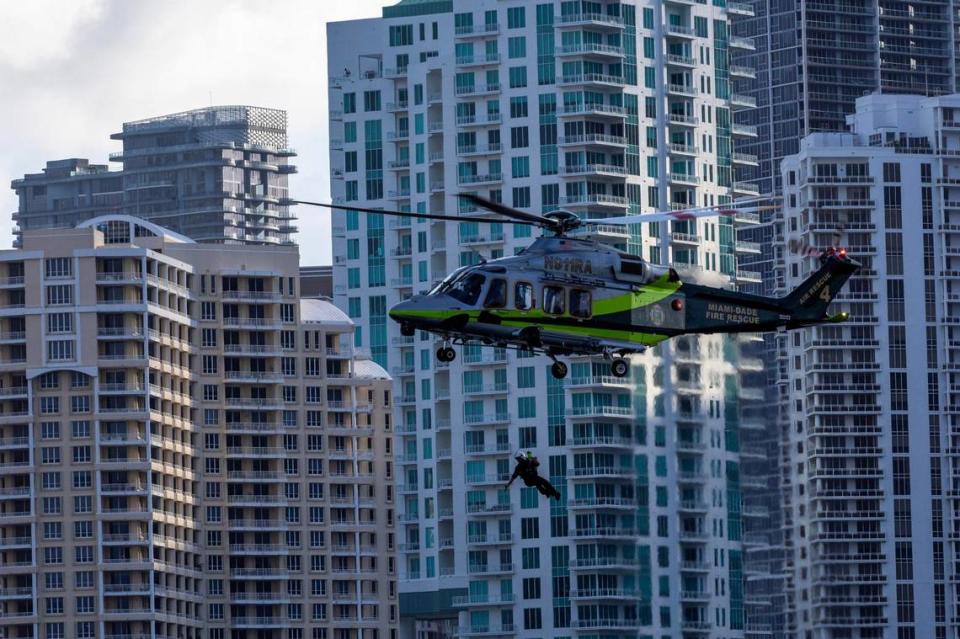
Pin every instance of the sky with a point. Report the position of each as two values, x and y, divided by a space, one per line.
71 72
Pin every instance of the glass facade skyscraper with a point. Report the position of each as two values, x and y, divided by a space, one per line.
603 108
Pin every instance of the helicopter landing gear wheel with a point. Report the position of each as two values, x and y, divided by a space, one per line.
619 367
407 329
558 370
446 354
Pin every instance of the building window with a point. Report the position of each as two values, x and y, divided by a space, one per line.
209 365
60 323
208 311
55 267
60 294
80 404
60 350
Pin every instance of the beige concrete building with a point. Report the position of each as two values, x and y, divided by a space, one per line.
187 449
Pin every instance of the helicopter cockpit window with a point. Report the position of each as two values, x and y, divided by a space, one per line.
523 296
444 286
580 303
467 288
496 294
553 300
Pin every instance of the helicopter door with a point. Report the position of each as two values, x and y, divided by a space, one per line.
496 294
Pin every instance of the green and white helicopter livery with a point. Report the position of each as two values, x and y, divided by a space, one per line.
570 296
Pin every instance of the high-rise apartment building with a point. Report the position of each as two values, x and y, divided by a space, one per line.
813 59
186 449
872 435
216 174
603 108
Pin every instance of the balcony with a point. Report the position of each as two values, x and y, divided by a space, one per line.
681 119
490 569
487 449
742 9
606 594
603 472
590 49
691 477
477 89
476 120
610 623
740 101
475 31
491 510
597 20
484 600
477 180
603 503
748 159
490 540
486 419
594 199
681 60
618 412
488 480
741 71
477 240
601 380
591 79
480 149
481 59
487 389
687 90
593 139
503 630
485 357
680 30
601 441
684 178
745 44
594 109
601 170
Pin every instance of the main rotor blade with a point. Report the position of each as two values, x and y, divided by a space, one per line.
426 216
506 211
681 215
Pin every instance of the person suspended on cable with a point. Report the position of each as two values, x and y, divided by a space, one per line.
526 470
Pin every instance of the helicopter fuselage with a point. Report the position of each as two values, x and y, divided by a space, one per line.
566 295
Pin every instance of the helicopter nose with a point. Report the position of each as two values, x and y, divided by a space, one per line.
404 310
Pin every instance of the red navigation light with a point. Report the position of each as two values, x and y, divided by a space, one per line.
677 304
842 253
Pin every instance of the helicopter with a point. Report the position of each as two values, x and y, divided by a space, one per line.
566 295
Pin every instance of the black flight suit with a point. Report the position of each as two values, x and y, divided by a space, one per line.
527 471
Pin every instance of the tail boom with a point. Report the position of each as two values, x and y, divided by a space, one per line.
712 310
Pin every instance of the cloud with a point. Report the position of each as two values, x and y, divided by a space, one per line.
40 31
116 61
